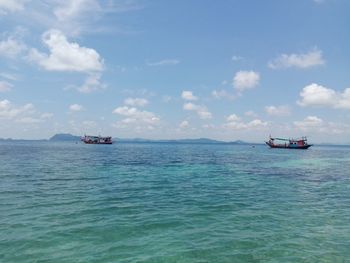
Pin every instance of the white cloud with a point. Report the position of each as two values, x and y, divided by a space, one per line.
317 95
344 100
66 56
11 5
46 115
28 120
5 86
201 111
314 124
222 94
309 122
9 76
307 60
135 115
70 10
76 107
257 124
188 95
190 106
237 58
139 102
282 110
250 113
166 98
77 16
164 62
232 118
25 114
204 114
11 47
246 80
74 17
92 83
240 125
184 124
10 111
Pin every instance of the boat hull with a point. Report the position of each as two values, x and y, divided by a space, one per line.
97 142
287 146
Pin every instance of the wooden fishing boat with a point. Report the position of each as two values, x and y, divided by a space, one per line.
300 143
96 139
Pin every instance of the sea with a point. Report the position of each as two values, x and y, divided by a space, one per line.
168 202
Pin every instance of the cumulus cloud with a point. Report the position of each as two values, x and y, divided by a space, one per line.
9 76
222 94
282 110
46 115
309 122
5 86
92 83
11 47
166 98
315 124
74 17
244 80
78 16
237 58
232 118
188 95
10 111
317 95
11 6
240 125
307 60
70 10
184 124
201 111
164 62
134 115
204 114
344 100
76 107
234 122
138 102
65 55
21 114
190 106
250 113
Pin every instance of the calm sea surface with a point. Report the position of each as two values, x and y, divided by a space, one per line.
67 202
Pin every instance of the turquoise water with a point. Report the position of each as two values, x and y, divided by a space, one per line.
67 202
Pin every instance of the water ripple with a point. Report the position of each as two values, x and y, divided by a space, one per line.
62 202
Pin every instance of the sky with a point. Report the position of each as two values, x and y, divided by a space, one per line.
161 69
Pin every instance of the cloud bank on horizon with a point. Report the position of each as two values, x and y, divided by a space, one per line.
166 70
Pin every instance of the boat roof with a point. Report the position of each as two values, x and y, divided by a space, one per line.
93 136
284 139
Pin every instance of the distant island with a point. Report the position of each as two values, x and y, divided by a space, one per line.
64 137
67 137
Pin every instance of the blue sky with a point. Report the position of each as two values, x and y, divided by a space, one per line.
175 69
